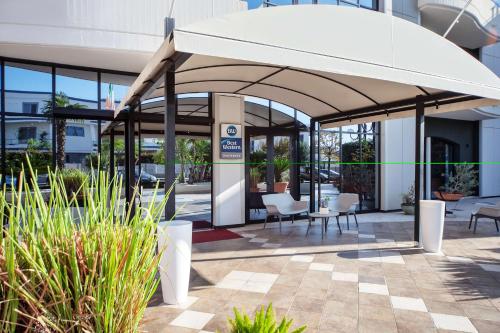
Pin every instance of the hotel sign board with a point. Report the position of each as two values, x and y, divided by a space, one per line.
230 141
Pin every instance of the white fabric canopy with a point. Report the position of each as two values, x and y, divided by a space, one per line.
322 60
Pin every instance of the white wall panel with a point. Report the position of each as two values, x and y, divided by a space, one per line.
397 145
489 174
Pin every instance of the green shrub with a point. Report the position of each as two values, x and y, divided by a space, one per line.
264 322
56 275
73 180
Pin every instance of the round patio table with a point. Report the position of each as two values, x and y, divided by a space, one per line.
325 217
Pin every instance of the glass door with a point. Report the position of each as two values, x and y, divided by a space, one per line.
270 167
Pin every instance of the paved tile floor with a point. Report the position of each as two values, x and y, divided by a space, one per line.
371 281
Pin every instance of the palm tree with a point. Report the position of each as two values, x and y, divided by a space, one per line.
61 101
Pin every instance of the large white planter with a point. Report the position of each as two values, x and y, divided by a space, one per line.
175 238
432 222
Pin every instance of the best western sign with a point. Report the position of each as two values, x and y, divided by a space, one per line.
230 141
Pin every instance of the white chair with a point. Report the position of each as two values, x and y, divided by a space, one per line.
485 211
282 204
345 204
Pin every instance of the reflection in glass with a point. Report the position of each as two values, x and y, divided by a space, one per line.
258 163
27 88
114 87
347 163
282 158
29 136
80 87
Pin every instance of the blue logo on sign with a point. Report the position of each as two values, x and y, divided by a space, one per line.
231 130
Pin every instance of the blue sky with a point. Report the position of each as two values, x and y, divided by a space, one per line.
26 80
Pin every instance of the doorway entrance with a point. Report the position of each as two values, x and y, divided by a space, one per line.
270 167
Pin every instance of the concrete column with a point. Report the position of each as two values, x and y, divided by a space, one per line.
228 174
385 6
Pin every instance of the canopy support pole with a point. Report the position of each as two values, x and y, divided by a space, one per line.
312 192
169 140
130 161
112 154
419 163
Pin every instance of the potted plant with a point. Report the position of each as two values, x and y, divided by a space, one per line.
265 321
324 207
281 166
459 185
254 179
408 204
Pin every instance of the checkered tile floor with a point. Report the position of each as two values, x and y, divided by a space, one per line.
367 280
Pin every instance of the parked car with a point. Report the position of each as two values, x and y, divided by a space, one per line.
304 174
333 174
147 180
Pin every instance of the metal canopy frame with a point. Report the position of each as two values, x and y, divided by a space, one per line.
421 101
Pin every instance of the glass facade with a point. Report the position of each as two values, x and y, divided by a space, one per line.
348 157
368 4
29 93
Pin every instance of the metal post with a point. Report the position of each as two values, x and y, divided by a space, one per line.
419 162
99 125
112 154
169 140
211 118
270 164
319 165
54 122
312 192
130 160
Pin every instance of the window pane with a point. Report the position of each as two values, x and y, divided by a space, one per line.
80 143
113 89
32 136
76 89
27 85
328 2
368 3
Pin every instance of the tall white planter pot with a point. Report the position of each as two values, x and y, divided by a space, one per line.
175 238
432 222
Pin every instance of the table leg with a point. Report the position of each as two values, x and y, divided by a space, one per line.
309 225
322 227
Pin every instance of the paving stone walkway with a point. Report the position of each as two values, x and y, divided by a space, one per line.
370 279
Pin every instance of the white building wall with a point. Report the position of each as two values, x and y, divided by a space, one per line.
489 174
396 146
406 9
489 134
111 34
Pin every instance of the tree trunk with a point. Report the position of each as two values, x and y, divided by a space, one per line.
60 142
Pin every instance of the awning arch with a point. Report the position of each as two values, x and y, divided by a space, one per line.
323 60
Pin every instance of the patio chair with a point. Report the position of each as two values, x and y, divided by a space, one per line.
282 204
346 205
485 211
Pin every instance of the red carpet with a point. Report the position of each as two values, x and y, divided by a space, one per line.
202 224
213 235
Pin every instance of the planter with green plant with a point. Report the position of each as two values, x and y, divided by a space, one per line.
461 184
254 179
264 322
408 204
281 174
56 275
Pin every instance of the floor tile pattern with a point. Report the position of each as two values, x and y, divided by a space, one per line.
346 282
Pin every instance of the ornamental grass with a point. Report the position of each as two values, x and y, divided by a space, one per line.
75 261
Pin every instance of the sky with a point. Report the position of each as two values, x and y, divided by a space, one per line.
27 80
